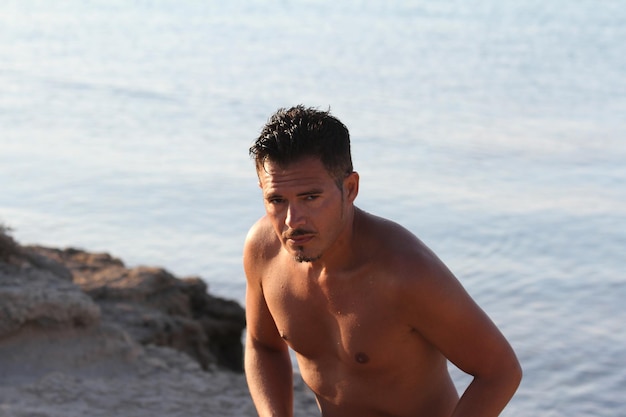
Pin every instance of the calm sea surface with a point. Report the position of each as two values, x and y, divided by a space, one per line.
494 130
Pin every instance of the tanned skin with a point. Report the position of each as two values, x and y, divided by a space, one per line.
371 313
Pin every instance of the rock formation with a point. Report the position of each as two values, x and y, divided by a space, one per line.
154 307
83 335
52 298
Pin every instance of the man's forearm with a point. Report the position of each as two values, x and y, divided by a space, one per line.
270 379
487 397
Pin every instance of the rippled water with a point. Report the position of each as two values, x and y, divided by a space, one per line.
493 130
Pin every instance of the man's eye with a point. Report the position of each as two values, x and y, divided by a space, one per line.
312 197
275 201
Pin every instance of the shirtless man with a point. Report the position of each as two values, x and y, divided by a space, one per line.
371 313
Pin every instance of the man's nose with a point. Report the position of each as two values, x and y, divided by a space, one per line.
295 216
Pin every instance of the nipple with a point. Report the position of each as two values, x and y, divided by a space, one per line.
361 358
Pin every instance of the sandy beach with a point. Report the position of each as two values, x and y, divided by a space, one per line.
162 382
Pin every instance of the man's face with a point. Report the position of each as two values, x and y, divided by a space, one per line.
304 205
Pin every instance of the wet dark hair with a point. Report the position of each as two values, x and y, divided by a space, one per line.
299 132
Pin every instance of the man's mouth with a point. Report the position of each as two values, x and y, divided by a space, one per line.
298 237
300 240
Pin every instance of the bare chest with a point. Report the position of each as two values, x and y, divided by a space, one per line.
356 348
354 324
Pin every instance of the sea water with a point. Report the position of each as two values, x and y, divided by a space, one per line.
494 130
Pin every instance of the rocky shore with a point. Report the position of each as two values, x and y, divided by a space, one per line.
81 334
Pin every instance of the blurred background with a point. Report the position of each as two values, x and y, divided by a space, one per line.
494 130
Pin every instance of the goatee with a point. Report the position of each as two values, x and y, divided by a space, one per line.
300 257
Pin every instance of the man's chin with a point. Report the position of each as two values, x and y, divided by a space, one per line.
302 257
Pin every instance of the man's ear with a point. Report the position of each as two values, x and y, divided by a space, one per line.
351 186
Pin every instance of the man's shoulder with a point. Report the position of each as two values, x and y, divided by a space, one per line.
395 247
387 234
261 240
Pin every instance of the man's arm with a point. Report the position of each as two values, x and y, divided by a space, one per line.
267 363
448 317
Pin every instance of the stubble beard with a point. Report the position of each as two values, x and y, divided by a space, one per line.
302 258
